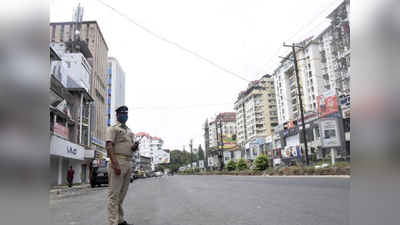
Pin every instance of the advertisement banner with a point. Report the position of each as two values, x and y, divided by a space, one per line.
227 157
210 161
201 164
254 150
60 130
160 156
194 164
61 147
346 113
329 131
327 103
189 166
229 140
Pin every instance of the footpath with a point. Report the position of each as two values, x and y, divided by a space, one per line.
63 188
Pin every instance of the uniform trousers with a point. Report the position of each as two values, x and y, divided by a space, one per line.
117 189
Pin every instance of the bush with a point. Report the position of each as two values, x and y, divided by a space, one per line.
261 162
241 164
313 157
197 170
231 165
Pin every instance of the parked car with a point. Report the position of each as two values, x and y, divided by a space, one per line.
99 176
158 174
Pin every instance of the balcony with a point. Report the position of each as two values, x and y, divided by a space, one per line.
109 81
109 91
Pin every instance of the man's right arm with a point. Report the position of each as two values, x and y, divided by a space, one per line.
111 154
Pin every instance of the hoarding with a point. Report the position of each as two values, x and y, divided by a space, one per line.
227 157
229 140
194 164
238 155
61 147
213 161
201 163
329 131
60 130
254 150
327 103
160 156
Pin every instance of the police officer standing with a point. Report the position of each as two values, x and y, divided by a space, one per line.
120 147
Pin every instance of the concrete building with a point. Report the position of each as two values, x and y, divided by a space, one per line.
145 143
334 44
69 121
228 120
256 114
91 35
116 89
311 82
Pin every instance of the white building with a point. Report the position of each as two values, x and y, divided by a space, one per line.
116 89
311 82
228 120
334 45
255 107
155 144
145 143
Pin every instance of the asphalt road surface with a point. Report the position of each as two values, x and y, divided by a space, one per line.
209 200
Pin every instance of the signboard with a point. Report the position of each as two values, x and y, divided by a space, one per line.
98 142
238 155
292 140
307 117
307 126
254 150
194 164
212 161
345 102
160 156
278 128
60 130
189 166
329 131
346 113
268 139
61 147
229 140
227 157
201 163
290 124
327 103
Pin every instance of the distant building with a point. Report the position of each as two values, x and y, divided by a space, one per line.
228 121
116 89
256 114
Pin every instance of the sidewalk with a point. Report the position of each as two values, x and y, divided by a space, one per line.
54 189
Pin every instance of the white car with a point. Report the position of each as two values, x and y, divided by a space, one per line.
158 174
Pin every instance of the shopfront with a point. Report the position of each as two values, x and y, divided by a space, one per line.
64 154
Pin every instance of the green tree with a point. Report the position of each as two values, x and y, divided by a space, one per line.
241 164
200 154
261 162
231 165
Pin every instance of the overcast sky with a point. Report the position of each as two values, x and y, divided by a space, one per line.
171 92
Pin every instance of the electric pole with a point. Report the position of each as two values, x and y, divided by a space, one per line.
191 152
207 136
300 99
221 155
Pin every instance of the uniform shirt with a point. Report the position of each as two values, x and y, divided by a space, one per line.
122 138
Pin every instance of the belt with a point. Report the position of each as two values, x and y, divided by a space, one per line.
124 157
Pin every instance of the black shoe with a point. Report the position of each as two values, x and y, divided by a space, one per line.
125 223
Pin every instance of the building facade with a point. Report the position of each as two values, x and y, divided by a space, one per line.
256 113
334 44
311 82
116 89
91 35
229 135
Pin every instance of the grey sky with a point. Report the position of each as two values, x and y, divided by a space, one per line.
240 36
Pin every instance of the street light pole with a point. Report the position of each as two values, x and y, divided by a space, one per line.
300 99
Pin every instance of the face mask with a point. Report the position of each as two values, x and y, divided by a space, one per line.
123 118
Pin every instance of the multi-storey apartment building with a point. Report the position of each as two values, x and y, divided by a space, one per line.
228 121
256 114
90 33
116 89
334 45
311 82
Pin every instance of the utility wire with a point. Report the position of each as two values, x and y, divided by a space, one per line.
166 40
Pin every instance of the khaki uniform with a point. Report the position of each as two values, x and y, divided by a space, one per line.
123 139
